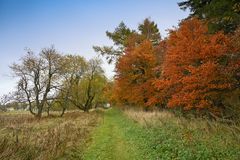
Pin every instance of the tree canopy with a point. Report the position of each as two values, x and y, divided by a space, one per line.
221 14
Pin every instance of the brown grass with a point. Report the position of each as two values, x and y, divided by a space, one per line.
150 118
208 128
24 137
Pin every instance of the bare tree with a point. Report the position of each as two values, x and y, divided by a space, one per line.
5 99
38 78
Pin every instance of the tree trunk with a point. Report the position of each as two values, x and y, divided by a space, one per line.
48 111
31 111
86 109
63 111
39 113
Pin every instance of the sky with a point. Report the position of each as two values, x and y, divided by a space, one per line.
72 26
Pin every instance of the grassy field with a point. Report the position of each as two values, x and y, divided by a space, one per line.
137 135
23 137
116 135
171 137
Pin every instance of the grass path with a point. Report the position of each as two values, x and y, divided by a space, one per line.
113 139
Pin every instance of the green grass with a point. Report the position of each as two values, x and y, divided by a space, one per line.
169 137
112 139
123 138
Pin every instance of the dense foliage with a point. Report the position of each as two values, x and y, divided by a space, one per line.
221 14
196 70
191 69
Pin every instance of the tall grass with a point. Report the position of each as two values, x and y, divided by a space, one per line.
175 137
24 137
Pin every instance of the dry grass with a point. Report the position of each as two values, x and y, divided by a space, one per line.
205 127
150 118
24 137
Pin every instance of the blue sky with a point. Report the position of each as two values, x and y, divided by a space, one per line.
72 26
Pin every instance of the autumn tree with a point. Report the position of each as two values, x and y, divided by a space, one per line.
134 72
138 54
194 74
108 92
231 98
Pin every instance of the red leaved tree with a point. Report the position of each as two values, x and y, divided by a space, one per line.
194 74
134 72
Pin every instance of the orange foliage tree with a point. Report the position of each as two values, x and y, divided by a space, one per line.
194 74
191 69
235 56
134 72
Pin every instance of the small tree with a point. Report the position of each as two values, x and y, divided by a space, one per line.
87 90
73 67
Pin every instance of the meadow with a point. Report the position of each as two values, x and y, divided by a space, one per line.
116 134
176 137
22 136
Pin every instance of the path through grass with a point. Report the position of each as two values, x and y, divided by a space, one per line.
114 139
121 137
